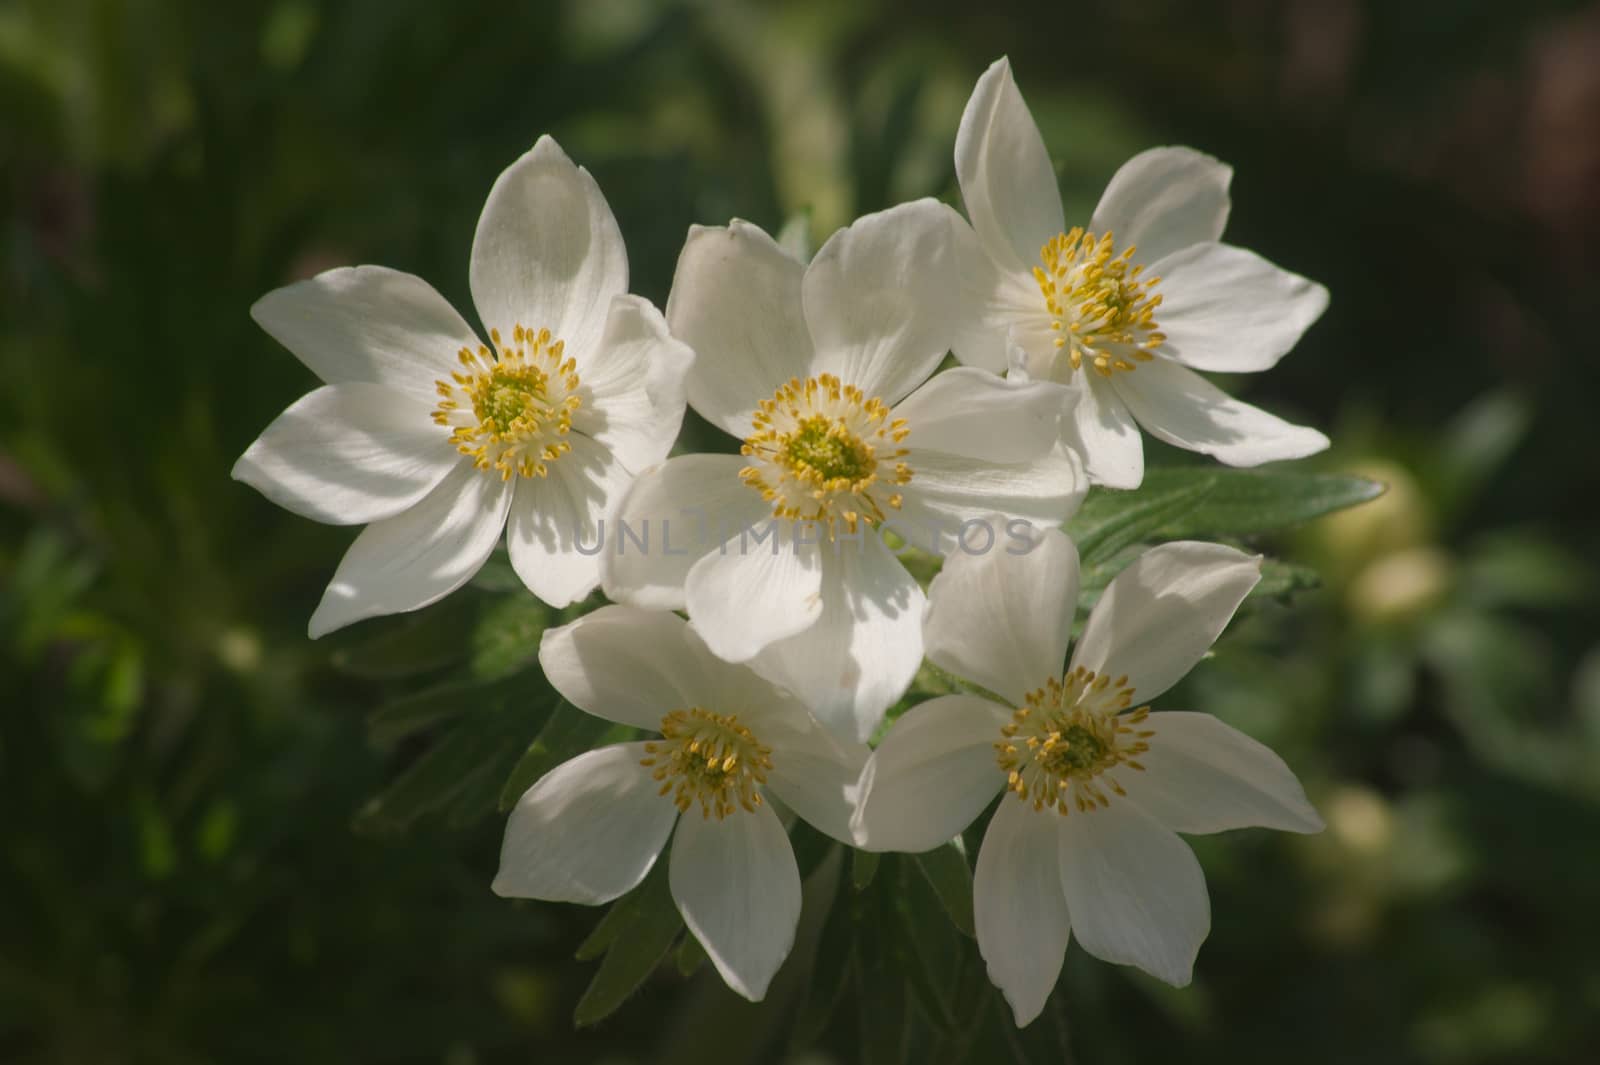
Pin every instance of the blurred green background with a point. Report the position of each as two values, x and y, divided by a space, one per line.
192 866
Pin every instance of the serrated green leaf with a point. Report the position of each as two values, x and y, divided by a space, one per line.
950 877
863 867
413 644
636 934
567 733
505 639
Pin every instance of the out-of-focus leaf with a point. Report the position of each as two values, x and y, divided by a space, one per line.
831 968
863 867
496 575
567 733
689 956
810 847
920 941
1524 571
506 636
1476 443
635 935
415 643
950 877
795 236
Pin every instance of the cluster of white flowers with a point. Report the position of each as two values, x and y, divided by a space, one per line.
803 626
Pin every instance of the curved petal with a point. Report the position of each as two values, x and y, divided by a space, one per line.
368 324
1019 908
1003 618
1203 776
859 656
348 454
971 412
633 666
419 556
1006 178
635 385
881 298
949 493
750 593
1135 891
1160 615
1165 199
736 301
547 253
1100 428
932 775
738 888
1184 409
588 831
669 518
993 300
815 774
1228 309
556 528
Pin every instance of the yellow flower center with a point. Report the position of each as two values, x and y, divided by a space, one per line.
1101 309
1060 746
708 758
822 451
511 410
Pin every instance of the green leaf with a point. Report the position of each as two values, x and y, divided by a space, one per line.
506 637
635 935
831 969
689 956
863 866
567 733
414 644
1110 520
950 877
410 714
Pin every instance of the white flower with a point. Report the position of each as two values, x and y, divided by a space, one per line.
1096 785
437 442
1128 309
591 828
816 369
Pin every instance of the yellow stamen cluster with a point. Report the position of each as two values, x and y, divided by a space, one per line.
708 758
824 452
511 410
1101 309
1060 746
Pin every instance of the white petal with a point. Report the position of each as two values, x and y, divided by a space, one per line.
882 296
1018 905
1228 309
736 883
1003 618
972 412
634 666
1160 615
547 253
1100 429
554 532
1165 199
815 774
419 556
368 324
932 775
736 301
746 595
860 655
349 454
949 491
993 300
588 831
1184 409
1135 891
680 510
1203 776
635 385
1006 178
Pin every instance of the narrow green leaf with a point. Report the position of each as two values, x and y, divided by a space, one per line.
410 714
1279 580
414 644
567 733
831 969
506 638
950 877
863 867
1110 520
643 925
689 956
1247 502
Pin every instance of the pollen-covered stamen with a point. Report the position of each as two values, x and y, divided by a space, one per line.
823 451
1062 746
708 758
1101 309
511 409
